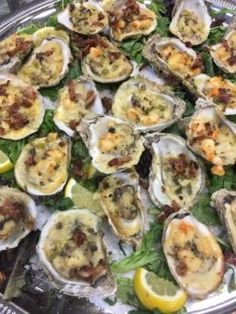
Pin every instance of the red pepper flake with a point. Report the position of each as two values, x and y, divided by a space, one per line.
117 162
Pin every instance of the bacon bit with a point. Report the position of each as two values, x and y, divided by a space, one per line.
62 144
41 55
101 16
79 237
232 60
18 121
3 88
184 166
73 124
71 89
230 258
107 103
175 205
10 209
22 44
85 44
26 103
2 131
181 268
90 273
198 64
225 44
113 55
30 161
77 169
13 109
223 96
166 212
184 227
29 93
90 98
119 161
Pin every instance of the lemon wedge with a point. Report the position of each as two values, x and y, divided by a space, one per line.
82 197
157 293
5 163
49 31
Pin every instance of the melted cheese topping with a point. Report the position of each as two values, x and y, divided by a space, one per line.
87 19
74 247
221 92
179 61
45 66
20 109
140 103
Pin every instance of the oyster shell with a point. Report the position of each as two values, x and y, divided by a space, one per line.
113 144
149 106
49 32
130 19
75 100
120 198
13 49
212 136
176 177
105 63
41 168
191 21
72 251
171 57
194 257
18 214
21 108
84 17
48 63
218 90
225 203
224 53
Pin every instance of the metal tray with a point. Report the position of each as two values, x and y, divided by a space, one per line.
221 302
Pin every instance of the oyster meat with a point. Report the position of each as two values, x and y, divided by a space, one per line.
18 214
194 257
75 100
42 167
176 177
191 21
218 90
148 105
129 18
225 203
112 142
212 136
120 198
171 57
71 249
21 108
13 49
84 17
105 63
48 63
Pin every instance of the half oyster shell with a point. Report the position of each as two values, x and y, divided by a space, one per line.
194 257
113 144
212 136
105 63
146 104
130 19
191 21
21 108
48 63
75 100
42 167
84 17
120 198
18 214
225 203
13 50
72 251
176 177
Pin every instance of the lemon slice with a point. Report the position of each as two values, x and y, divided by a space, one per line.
49 31
82 197
5 163
157 293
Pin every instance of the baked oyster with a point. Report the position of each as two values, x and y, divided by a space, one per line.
42 167
48 63
172 58
75 100
218 90
191 21
119 195
72 251
224 202
129 18
21 108
212 136
113 144
17 217
194 257
105 63
84 17
146 104
13 50
176 178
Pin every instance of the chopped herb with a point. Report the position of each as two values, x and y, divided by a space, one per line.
162 28
58 202
30 29
110 301
208 63
216 35
225 182
125 292
215 13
